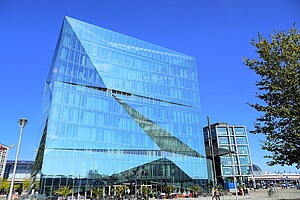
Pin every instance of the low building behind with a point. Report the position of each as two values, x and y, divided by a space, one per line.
23 170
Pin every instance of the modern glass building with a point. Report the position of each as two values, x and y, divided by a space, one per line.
4 149
22 173
118 110
231 152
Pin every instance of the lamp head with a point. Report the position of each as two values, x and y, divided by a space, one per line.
22 122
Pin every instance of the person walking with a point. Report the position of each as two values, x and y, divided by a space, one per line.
213 193
217 194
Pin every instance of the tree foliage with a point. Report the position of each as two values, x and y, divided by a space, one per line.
169 188
98 192
64 191
26 184
146 190
196 189
120 190
4 185
278 67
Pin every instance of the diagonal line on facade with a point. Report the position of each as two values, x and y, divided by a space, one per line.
164 140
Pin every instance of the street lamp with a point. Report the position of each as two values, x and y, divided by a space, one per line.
22 122
234 176
212 152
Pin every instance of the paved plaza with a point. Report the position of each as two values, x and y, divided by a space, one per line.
262 194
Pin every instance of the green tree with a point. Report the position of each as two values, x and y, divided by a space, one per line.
146 190
98 192
196 189
169 189
120 190
16 186
26 184
64 191
278 68
37 186
4 185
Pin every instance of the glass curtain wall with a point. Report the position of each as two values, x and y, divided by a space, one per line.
232 152
118 110
237 142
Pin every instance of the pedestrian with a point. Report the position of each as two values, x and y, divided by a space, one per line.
217 194
213 194
245 190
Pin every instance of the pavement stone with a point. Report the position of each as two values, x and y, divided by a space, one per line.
261 194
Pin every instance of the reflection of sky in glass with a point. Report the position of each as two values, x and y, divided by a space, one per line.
105 88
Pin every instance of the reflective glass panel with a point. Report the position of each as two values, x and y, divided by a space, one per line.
222 130
223 140
239 131
116 110
241 140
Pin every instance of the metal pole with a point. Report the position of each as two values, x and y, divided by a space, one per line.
234 176
253 179
22 122
212 152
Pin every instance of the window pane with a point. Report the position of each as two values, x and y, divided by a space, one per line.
241 140
245 170
243 150
239 131
222 131
227 170
244 160
223 140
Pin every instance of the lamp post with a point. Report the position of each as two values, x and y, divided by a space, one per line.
212 152
234 176
22 122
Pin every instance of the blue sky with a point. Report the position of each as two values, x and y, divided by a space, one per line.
217 33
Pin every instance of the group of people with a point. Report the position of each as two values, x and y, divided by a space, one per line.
244 191
215 193
272 191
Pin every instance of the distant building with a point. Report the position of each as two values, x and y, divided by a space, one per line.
281 180
23 170
3 158
257 171
231 152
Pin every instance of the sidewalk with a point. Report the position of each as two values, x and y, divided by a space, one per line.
261 194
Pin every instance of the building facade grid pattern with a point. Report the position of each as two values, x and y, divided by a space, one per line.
237 161
119 109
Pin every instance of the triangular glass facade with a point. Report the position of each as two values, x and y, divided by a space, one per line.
115 105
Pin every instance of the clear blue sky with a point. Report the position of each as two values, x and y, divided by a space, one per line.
216 32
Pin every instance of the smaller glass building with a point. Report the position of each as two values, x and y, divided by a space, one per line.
231 152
